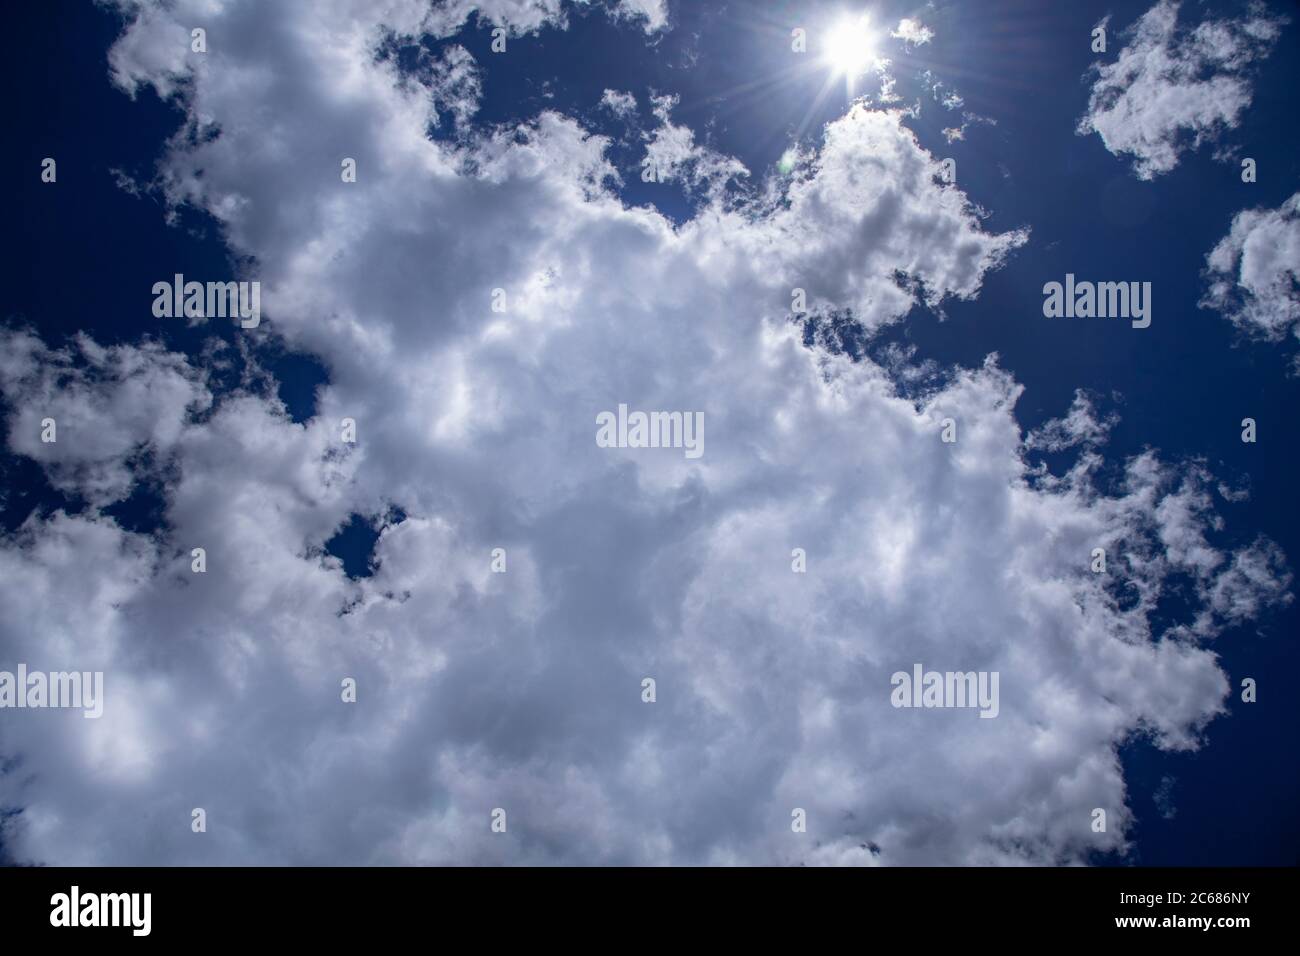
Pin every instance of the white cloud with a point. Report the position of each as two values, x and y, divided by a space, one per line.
156 50
675 156
912 31
1253 271
528 16
619 103
522 690
955 133
1081 426
109 406
653 13
518 17
1174 88
950 99
455 83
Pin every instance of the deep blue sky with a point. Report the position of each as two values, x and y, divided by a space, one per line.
77 257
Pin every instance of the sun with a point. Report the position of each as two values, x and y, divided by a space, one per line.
850 46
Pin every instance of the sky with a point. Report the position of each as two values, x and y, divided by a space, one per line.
805 276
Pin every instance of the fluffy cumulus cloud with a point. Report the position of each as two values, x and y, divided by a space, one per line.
619 103
523 690
652 14
1253 273
1174 86
673 155
156 51
912 31
527 16
138 399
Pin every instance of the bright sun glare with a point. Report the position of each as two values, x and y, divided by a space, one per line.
850 46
